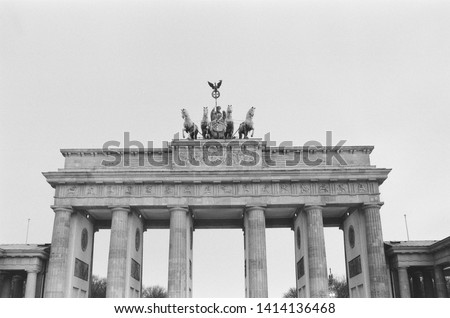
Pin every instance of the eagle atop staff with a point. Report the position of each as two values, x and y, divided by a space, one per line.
215 86
215 93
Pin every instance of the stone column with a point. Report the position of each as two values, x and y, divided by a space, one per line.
379 286
403 280
5 292
117 259
256 263
439 279
318 278
178 253
17 286
95 230
30 288
57 268
417 284
428 283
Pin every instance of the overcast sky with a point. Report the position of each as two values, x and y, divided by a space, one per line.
75 74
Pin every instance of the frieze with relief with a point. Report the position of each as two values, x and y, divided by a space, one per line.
324 188
169 190
225 189
128 190
342 188
206 190
149 189
188 190
246 189
91 190
362 187
284 189
217 189
265 188
305 188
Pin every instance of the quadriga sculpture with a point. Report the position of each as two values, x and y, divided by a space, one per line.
246 126
188 125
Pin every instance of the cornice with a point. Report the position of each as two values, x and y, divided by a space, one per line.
395 250
263 175
439 245
25 253
67 152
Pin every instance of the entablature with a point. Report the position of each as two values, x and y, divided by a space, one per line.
251 154
329 175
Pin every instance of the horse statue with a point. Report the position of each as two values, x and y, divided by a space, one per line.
230 124
189 125
218 126
247 125
205 124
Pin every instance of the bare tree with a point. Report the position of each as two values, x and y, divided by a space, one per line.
291 293
154 292
337 287
98 287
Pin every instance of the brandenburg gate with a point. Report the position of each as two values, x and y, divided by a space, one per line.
216 183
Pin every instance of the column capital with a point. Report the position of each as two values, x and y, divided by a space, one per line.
33 268
417 272
184 208
15 277
307 208
114 208
60 208
366 206
251 207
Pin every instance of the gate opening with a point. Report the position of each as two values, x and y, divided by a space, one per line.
280 261
218 269
156 258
